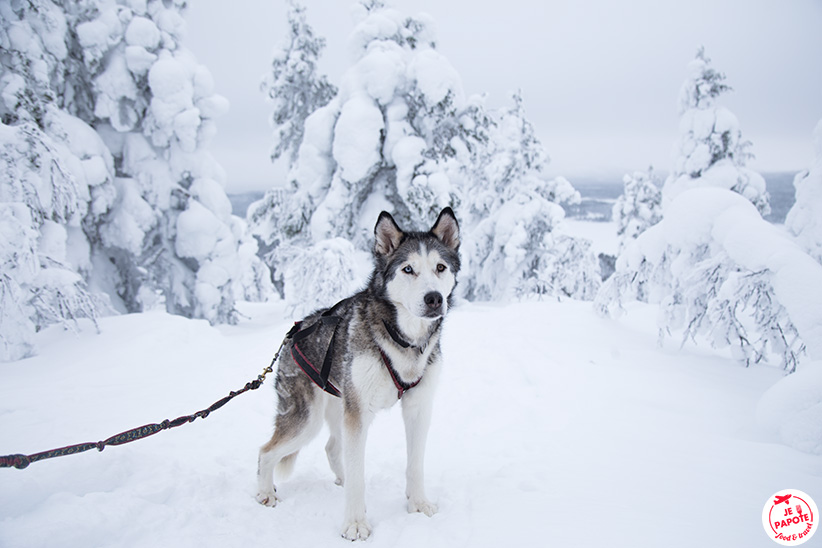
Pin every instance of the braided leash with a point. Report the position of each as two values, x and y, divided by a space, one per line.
22 461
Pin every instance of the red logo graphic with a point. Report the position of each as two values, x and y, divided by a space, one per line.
790 517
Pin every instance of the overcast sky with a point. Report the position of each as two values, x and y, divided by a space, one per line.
600 79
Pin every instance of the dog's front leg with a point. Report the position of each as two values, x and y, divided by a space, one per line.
355 430
416 413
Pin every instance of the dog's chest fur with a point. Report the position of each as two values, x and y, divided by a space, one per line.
370 376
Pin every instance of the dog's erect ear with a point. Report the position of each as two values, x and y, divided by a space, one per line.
387 234
446 229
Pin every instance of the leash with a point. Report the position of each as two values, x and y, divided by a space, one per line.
22 461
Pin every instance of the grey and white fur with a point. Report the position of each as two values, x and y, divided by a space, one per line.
410 292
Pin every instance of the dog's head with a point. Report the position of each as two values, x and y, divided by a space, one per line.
419 269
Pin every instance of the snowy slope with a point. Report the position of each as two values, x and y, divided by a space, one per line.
551 426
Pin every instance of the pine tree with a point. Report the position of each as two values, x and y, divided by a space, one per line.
712 151
106 182
293 85
55 179
697 265
804 220
516 241
170 239
296 90
638 208
401 135
381 143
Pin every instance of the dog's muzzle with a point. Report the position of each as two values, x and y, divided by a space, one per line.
433 304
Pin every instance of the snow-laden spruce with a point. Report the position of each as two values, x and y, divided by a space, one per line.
170 238
517 242
721 273
293 85
55 180
804 220
105 118
638 208
711 150
401 135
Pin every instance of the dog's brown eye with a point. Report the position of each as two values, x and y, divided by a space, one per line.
441 267
408 270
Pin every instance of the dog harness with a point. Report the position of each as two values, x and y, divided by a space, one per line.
297 334
320 376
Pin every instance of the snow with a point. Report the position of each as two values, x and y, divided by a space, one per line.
711 150
793 408
117 94
357 138
198 231
804 220
171 87
139 60
407 156
52 241
715 214
550 422
435 77
131 218
211 194
381 72
143 32
321 275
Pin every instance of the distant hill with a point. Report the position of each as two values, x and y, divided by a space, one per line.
599 195
240 202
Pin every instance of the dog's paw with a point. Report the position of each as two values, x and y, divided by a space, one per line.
267 498
356 530
422 506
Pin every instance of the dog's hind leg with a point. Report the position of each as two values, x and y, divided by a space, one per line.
294 427
333 449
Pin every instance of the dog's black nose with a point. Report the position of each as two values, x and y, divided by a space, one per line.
433 300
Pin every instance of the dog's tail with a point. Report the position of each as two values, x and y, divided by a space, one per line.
285 467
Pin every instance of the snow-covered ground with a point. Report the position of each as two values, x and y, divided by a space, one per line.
552 426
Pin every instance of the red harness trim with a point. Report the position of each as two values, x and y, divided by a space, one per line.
402 387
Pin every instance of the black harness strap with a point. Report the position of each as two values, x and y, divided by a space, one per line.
397 338
402 386
321 376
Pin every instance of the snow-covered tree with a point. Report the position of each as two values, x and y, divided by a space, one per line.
639 207
711 149
516 241
401 135
386 137
56 178
293 85
383 142
170 239
804 220
296 90
318 276
722 274
105 181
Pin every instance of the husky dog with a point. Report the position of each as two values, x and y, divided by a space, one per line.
384 347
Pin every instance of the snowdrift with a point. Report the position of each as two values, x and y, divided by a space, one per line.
550 423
